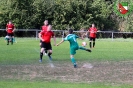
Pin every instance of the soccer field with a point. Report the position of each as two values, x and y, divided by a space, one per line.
109 65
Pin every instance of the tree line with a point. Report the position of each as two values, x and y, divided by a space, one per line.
63 14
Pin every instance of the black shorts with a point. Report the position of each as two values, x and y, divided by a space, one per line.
46 46
10 34
92 38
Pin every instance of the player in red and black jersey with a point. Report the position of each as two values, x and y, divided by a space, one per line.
10 28
92 35
44 28
45 37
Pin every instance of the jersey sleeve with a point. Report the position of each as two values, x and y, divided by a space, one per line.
76 36
66 38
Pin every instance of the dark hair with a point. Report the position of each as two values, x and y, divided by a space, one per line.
70 31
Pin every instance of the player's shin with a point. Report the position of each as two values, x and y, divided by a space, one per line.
82 48
74 62
93 44
41 55
90 45
49 55
8 41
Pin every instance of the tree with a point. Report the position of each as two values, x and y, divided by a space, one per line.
62 14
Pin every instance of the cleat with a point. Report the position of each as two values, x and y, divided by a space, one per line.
50 58
75 65
88 50
40 61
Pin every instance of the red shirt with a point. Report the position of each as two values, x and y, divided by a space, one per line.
10 28
44 27
93 32
46 36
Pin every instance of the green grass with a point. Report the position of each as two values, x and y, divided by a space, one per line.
26 52
23 84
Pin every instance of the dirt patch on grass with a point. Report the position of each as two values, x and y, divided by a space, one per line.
105 72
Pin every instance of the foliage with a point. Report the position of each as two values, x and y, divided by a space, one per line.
62 14
20 12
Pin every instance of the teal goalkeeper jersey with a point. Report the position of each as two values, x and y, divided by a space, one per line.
72 38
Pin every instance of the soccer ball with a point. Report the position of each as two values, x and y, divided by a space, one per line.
6 37
84 44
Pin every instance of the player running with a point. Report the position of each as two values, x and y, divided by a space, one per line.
73 46
10 28
92 30
45 37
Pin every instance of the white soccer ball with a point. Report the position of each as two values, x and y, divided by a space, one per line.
6 36
84 44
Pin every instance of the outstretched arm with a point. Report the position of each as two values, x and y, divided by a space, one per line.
60 43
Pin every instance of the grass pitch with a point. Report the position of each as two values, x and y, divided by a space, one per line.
111 65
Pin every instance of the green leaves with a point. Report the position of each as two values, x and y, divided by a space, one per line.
62 14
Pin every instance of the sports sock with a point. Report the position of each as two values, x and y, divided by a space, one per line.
90 44
49 55
8 41
88 50
82 48
73 61
41 55
93 44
